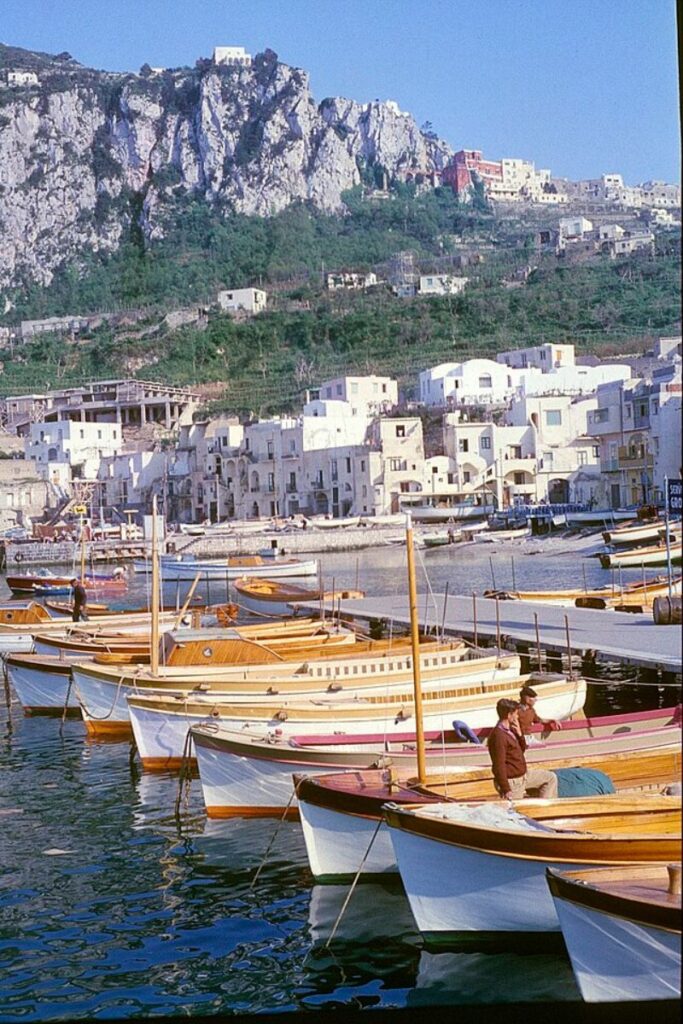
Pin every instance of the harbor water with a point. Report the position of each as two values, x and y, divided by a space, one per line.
114 903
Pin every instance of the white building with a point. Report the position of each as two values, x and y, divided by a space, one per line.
19 78
473 382
544 357
65 449
350 280
441 284
232 56
367 396
246 300
574 227
571 380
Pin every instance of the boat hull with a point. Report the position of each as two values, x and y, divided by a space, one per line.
464 878
41 688
617 959
187 571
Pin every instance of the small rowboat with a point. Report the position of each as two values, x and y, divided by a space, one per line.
278 600
252 774
600 517
481 867
231 568
622 930
340 813
27 583
638 557
634 597
22 614
636 533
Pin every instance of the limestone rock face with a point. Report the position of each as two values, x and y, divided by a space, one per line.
85 156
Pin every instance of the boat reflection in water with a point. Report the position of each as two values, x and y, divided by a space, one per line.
384 946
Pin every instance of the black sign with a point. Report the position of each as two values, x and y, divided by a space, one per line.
674 497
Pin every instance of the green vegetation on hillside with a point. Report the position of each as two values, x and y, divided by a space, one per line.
604 305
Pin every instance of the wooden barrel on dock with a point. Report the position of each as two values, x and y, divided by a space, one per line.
667 611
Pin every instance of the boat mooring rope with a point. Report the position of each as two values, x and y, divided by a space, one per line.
272 840
353 884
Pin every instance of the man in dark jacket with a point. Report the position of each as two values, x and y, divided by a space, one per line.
506 745
80 601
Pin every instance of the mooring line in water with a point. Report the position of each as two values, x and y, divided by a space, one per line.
272 840
184 775
353 884
66 705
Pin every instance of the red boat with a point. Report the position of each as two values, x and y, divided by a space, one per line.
45 581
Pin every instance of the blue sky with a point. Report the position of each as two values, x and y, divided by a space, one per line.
580 86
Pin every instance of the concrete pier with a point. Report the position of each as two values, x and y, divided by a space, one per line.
614 636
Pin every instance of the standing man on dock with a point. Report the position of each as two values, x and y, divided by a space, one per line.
506 745
80 601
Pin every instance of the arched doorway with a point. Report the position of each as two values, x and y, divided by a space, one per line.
558 492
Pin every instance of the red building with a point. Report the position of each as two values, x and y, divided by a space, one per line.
458 173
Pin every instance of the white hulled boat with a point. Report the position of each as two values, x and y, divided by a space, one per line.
622 929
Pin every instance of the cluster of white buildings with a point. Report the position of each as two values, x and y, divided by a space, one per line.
531 426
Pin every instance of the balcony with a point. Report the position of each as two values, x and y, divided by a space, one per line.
609 465
637 457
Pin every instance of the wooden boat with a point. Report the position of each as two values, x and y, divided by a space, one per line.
160 725
442 513
622 929
41 680
341 813
231 568
23 614
638 557
600 517
370 666
635 532
272 598
251 774
321 523
438 540
635 596
26 583
481 867
492 536
96 610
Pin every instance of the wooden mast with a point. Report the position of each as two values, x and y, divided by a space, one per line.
415 644
82 551
154 638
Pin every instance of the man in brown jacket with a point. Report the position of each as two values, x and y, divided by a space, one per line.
506 745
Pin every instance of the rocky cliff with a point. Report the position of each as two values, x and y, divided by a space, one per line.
87 156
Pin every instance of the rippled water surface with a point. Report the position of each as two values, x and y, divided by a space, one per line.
111 905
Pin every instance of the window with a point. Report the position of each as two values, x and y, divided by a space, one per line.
400 430
333 469
99 435
269 449
655 407
362 465
292 482
596 451
271 482
553 418
466 476
601 416
485 443
292 447
246 444
515 451
627 412
463 445
519 478
348 465
643 409
365 491
384 389
354 387
485 381
339 389
583 458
